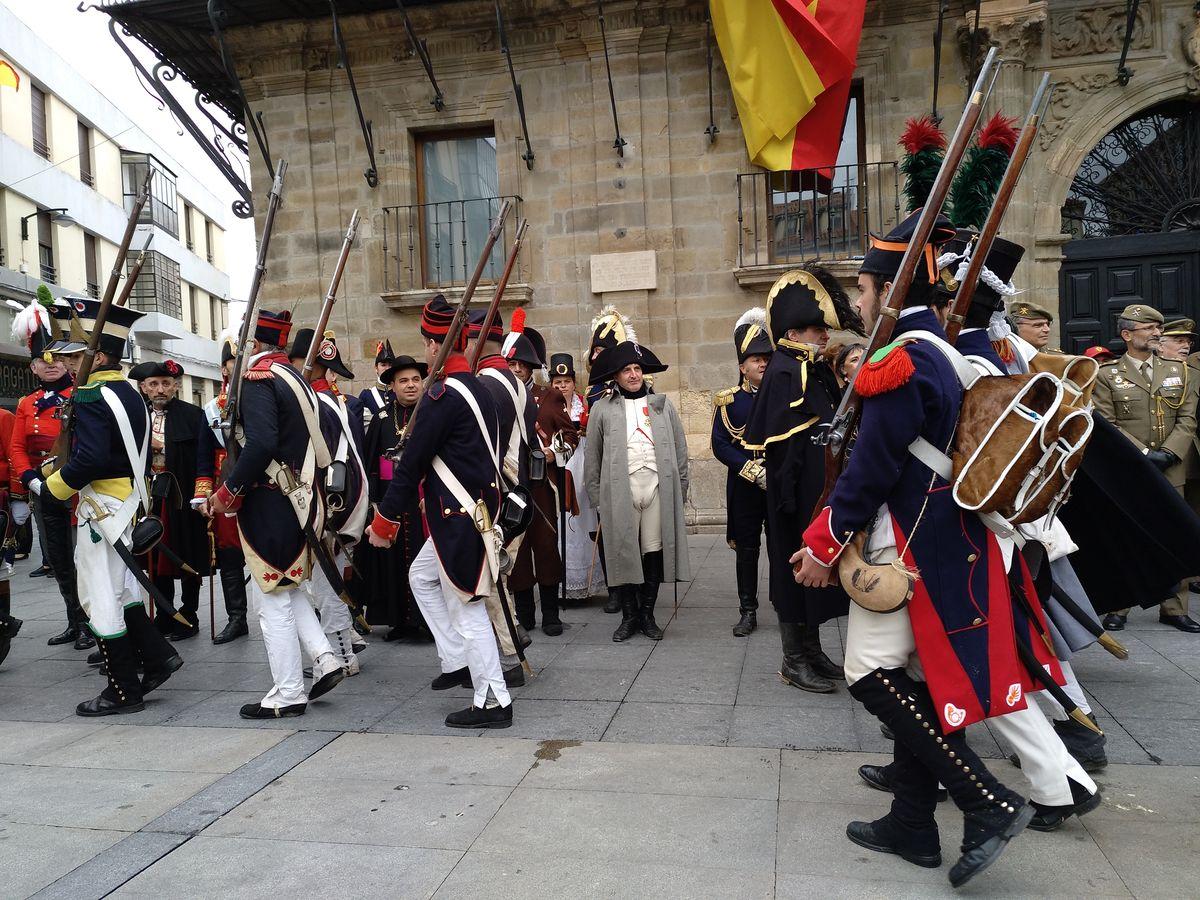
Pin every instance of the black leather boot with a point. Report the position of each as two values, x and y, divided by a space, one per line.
992 814
189 606
8 625
795 669
124 691
68 636
1082 743
821 664
551 623
526 613
84 641
652 573
154 652
613 603
630 612
746 568
233 588
909 830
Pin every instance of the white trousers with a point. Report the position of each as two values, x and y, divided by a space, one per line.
462 631
336 618
1071 688
647 509
289 627
885 641
105 584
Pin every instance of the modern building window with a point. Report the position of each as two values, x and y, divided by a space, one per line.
41 142
161 208
187 227
214 316
85 156
46 248
193 309
91 265
157 288
208 241
458 187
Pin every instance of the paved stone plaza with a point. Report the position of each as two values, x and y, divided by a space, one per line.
679 769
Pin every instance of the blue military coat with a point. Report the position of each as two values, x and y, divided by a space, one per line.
745 501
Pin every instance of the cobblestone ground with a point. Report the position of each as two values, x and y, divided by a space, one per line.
677 769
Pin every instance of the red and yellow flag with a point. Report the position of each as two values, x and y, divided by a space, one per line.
9 76
790 65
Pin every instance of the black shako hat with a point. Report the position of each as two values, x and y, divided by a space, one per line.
613 359
1002 261
117 325
562 365
750 337
328 354
798 300
475 325
273 328
399 364
883 257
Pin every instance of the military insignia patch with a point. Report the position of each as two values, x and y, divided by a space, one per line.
1013 697
953 715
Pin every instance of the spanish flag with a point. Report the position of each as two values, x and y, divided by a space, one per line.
790 64
9 76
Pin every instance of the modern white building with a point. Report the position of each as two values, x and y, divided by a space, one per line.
70 165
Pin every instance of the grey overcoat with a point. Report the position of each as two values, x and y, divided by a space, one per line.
606 471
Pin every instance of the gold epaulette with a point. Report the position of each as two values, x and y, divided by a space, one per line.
724 397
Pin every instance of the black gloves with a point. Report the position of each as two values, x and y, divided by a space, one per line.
1164 459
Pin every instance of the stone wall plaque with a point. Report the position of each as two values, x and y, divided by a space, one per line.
636 271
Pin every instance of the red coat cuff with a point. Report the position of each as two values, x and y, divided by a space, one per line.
820 540
385 528
226 500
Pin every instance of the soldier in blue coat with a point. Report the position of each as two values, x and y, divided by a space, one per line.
274 490
107 465
746 480
451 461
959 629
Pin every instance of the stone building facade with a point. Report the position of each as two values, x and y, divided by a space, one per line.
674 189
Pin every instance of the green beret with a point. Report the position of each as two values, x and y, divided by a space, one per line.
1141 312
1027 309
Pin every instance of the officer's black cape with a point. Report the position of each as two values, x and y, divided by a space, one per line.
1137 536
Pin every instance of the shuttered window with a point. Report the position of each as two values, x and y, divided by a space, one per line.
41 143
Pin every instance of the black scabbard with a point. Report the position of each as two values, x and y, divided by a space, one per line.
160 602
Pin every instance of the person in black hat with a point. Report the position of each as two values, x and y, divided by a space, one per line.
176 430
373 398
110 443
211 458
746 480
554 436
797 397
637 476
279 438
517 412
342 427
948 658
37 424
382 574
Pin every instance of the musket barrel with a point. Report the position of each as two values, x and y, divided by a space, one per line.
335 281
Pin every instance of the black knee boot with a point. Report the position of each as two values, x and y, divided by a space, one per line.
652 573
796 669
189 606
233 588
551 624
526 615
630 612
613 603
155 653
124 691
810 643
746 567
992 814
8 625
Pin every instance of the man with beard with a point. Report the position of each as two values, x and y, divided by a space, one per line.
1150 401
798 396
384 573
38 421
746 480
176 427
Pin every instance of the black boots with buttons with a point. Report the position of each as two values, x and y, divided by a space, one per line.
124 691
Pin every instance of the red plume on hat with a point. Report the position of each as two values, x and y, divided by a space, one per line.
924 146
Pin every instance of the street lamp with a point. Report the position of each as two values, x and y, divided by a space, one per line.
57 216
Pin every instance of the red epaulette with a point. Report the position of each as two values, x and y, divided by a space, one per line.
888 368
257 374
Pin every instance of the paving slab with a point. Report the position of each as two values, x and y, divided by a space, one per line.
794 729
557 720
34 856
162 749
1155 859
22 744
705 724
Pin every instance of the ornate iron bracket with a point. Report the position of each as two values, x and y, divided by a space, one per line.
619 143
157 80
528 155
372 172
217 17
1124 73
712 130
422 51
943 9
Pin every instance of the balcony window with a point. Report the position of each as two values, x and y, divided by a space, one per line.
91 265
458 184
161 209
214 316
157 288
187 227
41 142
85 156
208 241
193 309
46 248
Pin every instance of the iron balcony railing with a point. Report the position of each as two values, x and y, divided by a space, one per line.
436 245
49 274
815 214
41 148
93 290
